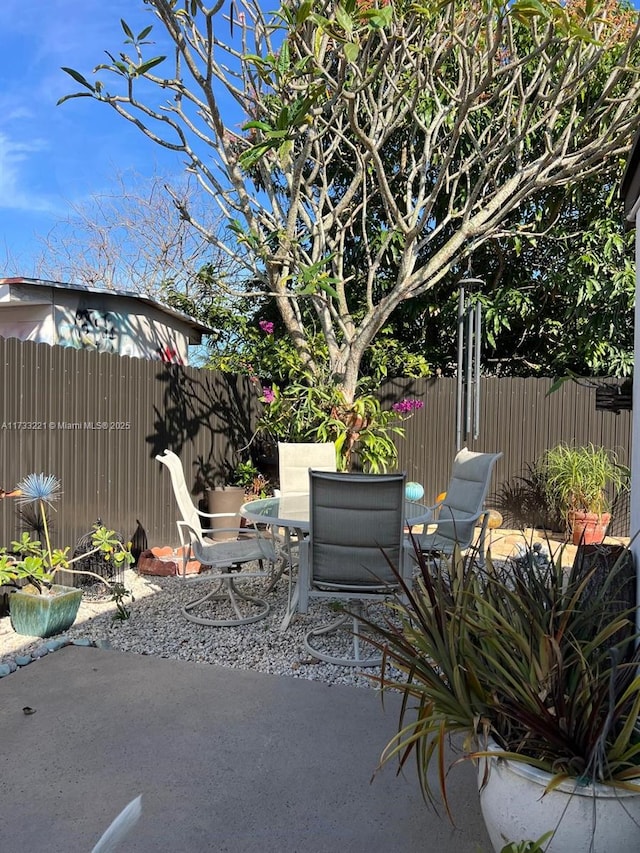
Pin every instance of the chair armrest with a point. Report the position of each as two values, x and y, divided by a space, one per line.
228 530
185 528
461 517
203 514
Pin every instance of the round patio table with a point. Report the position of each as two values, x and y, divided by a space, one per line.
291 511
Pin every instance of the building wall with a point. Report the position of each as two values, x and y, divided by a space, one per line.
99 322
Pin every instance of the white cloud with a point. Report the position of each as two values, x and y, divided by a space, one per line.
14 192
17 113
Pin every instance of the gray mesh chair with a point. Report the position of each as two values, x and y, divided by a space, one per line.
356 526
458 515
221 558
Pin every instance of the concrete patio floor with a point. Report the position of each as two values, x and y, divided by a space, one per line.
225 760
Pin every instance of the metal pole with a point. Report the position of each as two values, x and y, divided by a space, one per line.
469 368
476 365
459 376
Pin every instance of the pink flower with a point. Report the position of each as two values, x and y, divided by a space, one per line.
405 406
267 394
266 326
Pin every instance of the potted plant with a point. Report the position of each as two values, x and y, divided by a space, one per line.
537 671
37 605
225 495
581 482
255 484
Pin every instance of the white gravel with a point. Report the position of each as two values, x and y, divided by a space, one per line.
157 627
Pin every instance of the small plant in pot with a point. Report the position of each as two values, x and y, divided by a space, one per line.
255 484
38 606
582 482
227 492
537 672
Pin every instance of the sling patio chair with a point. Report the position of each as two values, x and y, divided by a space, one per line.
294 461
356 533
224 559
462 509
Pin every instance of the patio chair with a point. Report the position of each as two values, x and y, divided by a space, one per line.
222 557
356 528
462 509
295 459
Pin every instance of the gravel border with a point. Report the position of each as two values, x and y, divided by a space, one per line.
157 627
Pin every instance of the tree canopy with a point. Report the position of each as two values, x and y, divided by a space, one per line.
383 144
557 298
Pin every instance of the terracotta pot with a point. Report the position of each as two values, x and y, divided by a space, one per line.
588 528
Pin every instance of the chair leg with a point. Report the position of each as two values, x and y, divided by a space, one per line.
292 607
226 591
277 573
482 541
357 639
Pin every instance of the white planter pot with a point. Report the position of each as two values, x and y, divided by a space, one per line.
586 819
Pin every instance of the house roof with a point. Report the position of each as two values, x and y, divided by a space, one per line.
196 325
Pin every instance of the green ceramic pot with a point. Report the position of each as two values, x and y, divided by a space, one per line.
44 615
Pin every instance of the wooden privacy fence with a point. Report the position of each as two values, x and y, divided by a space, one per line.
97 421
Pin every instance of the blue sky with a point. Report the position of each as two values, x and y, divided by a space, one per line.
50 156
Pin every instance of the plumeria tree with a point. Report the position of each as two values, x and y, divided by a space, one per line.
381 143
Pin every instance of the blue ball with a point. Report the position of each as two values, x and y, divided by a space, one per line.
413 491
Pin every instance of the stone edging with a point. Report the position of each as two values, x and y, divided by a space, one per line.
20 661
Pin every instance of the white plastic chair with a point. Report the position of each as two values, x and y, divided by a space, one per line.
356 529
243 546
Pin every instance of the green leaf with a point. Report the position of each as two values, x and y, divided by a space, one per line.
75 95
149 64
78 78
252 155
530 8
558 382
344 19
351 51
303 12
582 34
324 285
258 125
379 18
126 28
